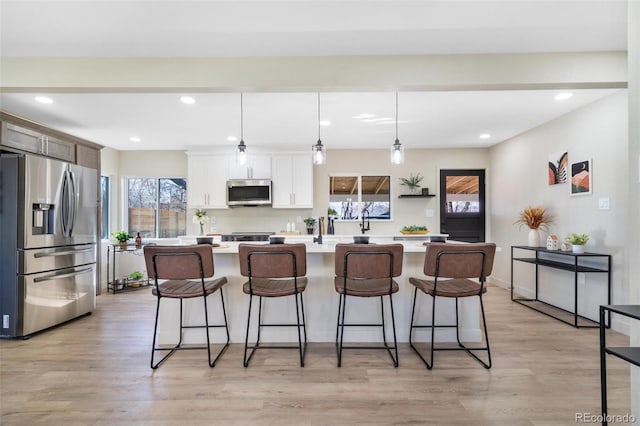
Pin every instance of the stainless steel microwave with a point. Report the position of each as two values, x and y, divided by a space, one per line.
249 192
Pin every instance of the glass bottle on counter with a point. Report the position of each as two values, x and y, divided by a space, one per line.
138 241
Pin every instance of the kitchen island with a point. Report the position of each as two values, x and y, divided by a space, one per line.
320 302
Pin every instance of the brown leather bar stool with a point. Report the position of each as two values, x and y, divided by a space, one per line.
274 270
364 270
460 265
184 270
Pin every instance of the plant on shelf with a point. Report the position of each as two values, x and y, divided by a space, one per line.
310 223
122 237
136 275
200 217
577 242
536 218
412 182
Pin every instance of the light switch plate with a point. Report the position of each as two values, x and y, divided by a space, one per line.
429 213
603 203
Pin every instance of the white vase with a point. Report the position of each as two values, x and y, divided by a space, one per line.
534 238
577 248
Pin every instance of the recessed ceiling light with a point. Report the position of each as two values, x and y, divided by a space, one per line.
485 136
232 139
44 100
187 100
563 96
325 123
375 120
361 116
135 139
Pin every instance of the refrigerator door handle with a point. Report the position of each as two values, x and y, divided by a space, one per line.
64 204
73 202
62 253
69 204
52 277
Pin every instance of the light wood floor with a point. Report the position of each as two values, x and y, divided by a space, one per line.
95 370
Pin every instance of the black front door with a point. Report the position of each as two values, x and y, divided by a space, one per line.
462 212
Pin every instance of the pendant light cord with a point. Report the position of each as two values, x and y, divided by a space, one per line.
396 116
318 116
242 119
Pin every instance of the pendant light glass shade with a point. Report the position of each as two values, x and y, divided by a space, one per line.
397 153
397 150
319 153
241 150
241 153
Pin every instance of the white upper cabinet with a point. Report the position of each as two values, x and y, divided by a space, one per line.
292 180
257 167
207 181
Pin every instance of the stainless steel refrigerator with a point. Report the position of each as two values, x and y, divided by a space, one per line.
48 237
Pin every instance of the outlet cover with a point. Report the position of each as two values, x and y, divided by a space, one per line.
429 213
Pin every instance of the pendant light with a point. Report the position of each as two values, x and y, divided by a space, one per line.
241 151
319 153
397 150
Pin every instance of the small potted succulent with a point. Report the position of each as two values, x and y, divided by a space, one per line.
122 237
577 242
310 223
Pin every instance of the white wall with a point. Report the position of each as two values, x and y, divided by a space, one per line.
375 162
519 178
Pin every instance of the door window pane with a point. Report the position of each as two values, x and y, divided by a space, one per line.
463 194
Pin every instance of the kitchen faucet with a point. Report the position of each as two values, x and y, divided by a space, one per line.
364 228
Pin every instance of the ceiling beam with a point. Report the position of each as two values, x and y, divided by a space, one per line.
326 74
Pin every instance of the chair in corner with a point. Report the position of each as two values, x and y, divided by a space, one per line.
184 272
464 268
276 270
364 270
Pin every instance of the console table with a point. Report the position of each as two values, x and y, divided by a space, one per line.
629 354
574 263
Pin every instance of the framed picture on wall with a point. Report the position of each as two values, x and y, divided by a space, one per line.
581 178
557 169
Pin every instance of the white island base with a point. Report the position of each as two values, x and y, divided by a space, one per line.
320 305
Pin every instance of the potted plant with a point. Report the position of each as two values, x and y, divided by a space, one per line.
310 223
200 217
577 242
412 182
122 237
535 218
414 229
135 277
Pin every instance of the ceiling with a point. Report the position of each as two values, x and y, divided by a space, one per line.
302 28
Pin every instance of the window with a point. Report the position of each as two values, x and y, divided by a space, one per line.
104 207
157 208
351 196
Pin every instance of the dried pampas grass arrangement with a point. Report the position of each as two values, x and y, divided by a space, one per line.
534 218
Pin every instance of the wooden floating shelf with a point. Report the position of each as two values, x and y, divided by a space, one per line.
416 196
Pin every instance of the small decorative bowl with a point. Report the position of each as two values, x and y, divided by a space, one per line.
204 240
